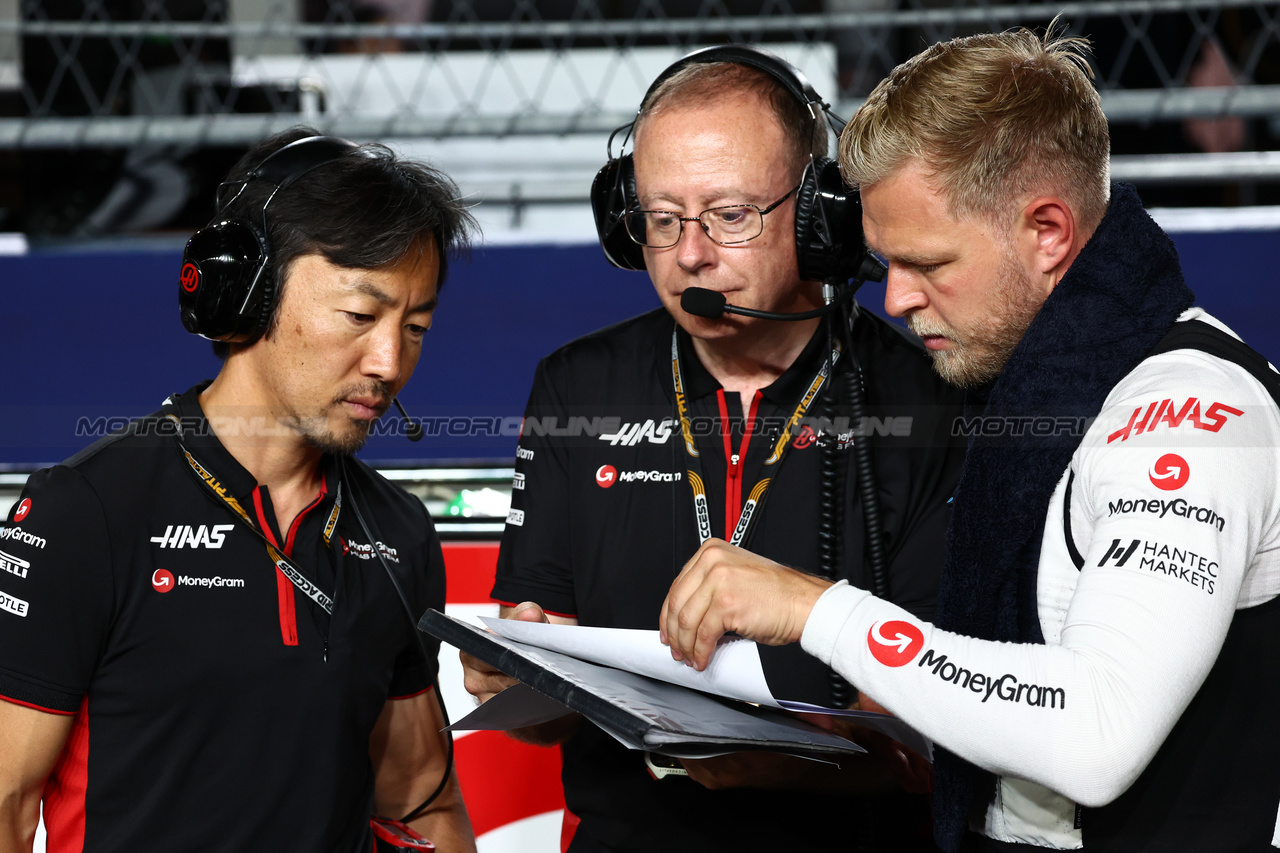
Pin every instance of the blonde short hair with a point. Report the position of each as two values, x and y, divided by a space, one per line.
995 119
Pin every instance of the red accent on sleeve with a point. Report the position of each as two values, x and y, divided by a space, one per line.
544 610
13 701
426 689
64 793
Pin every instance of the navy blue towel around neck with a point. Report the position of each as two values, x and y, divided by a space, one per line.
1117 300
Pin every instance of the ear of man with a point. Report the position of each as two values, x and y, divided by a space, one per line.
1047 239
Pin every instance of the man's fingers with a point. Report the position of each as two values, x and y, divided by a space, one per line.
481 680
670 614
473 666
688 582
698 627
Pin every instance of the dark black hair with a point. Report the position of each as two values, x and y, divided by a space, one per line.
365 210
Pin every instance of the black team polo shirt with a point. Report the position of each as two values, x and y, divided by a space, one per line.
602 522
217 708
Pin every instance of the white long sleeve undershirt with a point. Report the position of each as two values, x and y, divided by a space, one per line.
1127 644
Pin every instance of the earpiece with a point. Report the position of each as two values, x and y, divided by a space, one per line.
228 285
828 214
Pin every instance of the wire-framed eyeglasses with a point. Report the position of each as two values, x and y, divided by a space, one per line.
728 226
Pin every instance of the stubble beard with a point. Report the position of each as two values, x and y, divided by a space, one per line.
316 431
977 358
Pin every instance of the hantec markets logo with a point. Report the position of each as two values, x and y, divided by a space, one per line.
162 580
606 476
23 510
805 438
895 643
1170 472
190 277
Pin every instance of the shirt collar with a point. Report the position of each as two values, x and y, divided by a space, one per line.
198 437
784 391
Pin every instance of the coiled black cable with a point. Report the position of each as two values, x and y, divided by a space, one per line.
830 518
831 513
869 837
867 483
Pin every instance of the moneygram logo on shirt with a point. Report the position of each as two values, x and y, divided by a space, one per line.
607 476
1170 472
365 551
163 580
895 642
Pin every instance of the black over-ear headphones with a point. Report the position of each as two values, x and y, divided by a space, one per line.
228 286
828 215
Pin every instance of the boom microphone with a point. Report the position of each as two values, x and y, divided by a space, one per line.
701 302
412 429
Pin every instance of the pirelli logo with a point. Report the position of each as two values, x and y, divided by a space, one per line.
13 565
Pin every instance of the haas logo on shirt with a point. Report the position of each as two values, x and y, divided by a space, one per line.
894 642
1170 472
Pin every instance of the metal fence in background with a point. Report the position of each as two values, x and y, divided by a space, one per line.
498 88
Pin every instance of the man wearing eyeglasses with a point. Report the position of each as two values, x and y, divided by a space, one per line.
604 517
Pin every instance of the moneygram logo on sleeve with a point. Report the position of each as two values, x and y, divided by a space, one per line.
17 534
1178 507
1170 472
897 643
894 642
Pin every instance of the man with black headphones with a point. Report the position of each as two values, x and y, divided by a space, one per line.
647 437
207 640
